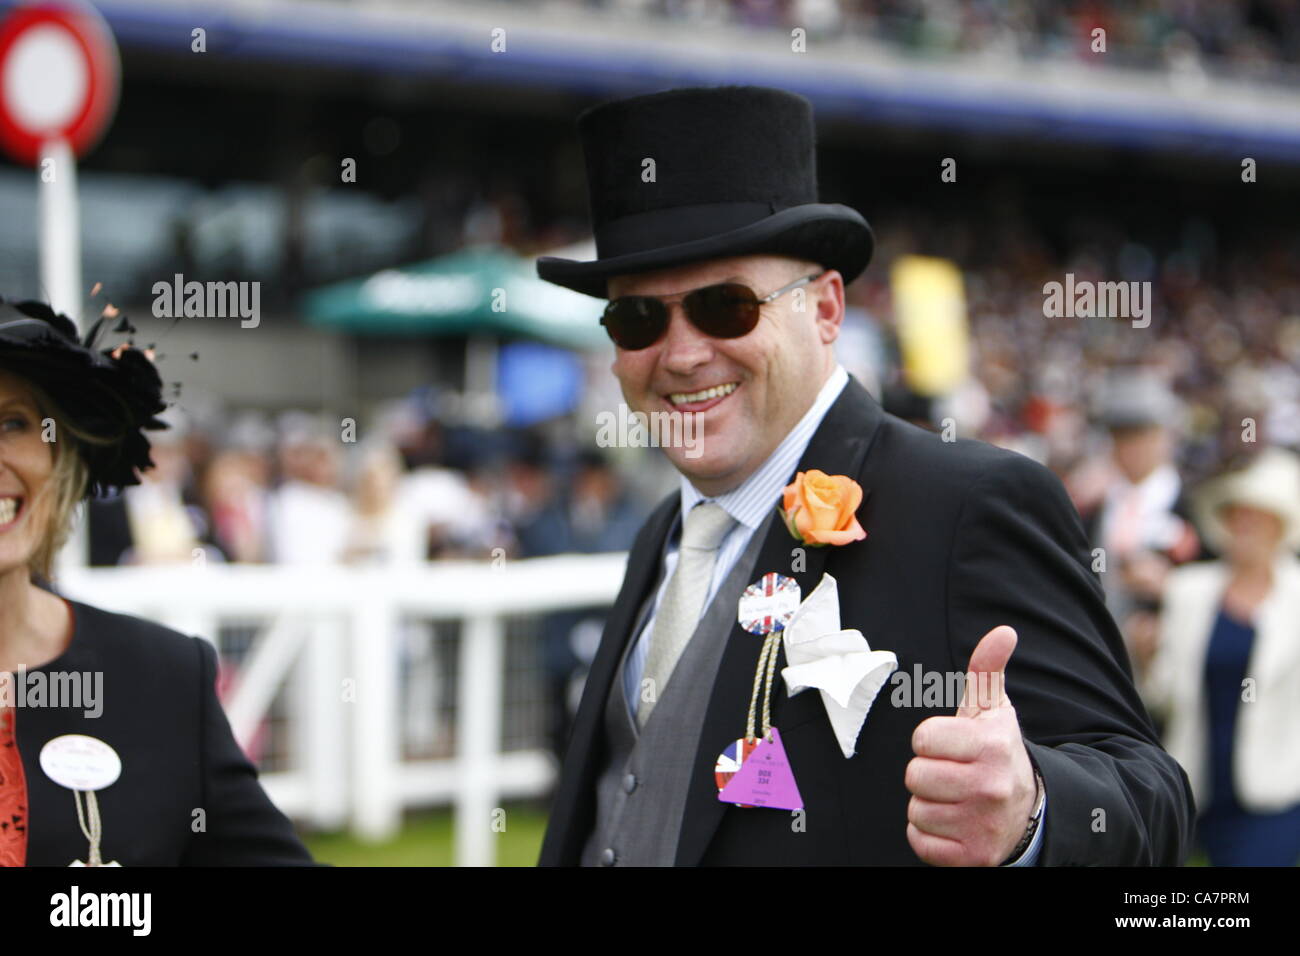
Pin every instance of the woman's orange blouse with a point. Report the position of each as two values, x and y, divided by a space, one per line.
13 796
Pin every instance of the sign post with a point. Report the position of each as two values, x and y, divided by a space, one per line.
59 80
59 77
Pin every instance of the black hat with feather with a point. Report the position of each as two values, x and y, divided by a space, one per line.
112 394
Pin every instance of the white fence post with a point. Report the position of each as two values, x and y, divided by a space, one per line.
323 736
480 700
372 694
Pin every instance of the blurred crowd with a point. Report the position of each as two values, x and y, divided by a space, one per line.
1249 36
298 489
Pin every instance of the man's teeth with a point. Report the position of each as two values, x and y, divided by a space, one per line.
8 510
717 391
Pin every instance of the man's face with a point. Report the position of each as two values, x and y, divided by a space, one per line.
770 376
1139 450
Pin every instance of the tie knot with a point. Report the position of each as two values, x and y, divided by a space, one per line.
705 527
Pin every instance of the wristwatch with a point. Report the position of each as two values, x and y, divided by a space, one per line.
1034 819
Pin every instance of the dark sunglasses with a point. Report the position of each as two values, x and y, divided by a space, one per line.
727 310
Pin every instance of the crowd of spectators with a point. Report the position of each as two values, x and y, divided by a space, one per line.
1252 37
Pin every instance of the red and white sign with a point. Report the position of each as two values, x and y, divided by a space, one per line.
59 78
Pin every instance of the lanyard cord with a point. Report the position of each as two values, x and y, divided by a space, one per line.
95 830
766 663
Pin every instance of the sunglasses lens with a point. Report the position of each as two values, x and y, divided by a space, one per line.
635 322
725 311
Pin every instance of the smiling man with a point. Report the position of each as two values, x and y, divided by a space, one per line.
725 279
748 391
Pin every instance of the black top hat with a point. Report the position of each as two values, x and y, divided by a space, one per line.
734 174
111 398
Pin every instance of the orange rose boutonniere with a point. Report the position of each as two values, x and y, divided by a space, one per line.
819 508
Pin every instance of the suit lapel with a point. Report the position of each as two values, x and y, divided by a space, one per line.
838 447
568 826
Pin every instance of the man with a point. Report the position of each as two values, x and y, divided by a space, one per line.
1140 517
695 188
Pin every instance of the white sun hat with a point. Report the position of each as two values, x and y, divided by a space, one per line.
1271 482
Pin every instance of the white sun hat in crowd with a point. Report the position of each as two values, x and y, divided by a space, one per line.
1271 482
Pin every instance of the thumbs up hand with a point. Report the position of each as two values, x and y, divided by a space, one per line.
971 780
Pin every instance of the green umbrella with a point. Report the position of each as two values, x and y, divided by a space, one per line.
478 291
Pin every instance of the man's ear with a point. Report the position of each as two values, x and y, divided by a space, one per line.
828 294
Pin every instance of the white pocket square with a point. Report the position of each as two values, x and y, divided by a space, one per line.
839 663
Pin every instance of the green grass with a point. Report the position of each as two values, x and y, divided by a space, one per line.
426 839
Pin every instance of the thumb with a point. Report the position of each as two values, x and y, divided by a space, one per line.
986 673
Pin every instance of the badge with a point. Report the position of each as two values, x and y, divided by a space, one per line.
754 770
83 764
730 761
768 604
764 779
79 762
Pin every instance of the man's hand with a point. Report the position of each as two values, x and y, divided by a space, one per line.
971 780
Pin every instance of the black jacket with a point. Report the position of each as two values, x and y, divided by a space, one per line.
187 795
961 537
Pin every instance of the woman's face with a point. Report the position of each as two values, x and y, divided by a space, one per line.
26 464
1255 534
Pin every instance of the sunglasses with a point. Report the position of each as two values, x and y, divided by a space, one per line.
727 310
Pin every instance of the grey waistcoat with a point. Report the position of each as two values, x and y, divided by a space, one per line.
641 792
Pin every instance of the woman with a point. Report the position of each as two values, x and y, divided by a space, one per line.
1227 670
151 774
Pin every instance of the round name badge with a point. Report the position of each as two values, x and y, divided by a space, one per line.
79 762
768 604
730 760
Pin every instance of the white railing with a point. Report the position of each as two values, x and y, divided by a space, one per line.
338 626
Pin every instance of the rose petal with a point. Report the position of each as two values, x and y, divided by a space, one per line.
804 521
790 493
822 498
855 533
850 498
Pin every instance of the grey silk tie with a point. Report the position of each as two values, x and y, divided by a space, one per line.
679 612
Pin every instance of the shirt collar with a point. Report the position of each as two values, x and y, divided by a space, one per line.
750 501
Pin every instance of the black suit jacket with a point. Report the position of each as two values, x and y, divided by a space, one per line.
161 714
961 537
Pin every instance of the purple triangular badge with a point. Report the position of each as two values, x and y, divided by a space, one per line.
765 779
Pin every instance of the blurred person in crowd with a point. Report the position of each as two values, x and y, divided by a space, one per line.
971 552
163 527
159 520
73 421
380 534
1140 516
372 536
442 515
1226 673
528 497
236 498
605 516
309 515
236 489
593 513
